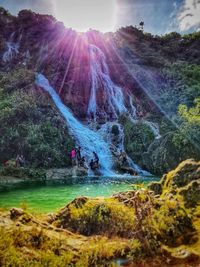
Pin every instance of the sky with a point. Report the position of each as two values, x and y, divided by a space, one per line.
159 16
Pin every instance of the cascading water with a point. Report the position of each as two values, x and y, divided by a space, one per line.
132 108
100 78
154 127
88 140
114 101
12 49
102 141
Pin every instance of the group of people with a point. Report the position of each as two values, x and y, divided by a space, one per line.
78 160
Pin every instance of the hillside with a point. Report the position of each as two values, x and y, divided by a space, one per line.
159 77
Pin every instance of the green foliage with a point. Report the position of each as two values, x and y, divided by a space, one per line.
101 216
181 86
47 251
138 137
169 222
21 172
4 12
189 125
30 123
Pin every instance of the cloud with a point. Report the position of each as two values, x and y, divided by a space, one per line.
189 15
159 16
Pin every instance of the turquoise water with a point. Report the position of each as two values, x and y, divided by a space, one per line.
50 196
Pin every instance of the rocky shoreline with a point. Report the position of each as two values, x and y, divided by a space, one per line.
158 226
17 175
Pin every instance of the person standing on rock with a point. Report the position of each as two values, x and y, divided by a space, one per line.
73 156
96 159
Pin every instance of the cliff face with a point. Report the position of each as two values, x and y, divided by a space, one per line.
154 74
45 45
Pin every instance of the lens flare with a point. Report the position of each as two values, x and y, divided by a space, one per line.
88 14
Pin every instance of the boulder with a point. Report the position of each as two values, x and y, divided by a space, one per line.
184 180
15 213
186 172
79 171
57 174
191 194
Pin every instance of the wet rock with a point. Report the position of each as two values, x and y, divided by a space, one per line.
15 213
79 171
128 170
57 174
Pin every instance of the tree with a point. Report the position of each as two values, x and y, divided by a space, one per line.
141 25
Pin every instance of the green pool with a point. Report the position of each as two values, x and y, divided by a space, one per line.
48 196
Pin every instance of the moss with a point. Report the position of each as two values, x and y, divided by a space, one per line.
156 187
98 216
191 194
186 172
134 225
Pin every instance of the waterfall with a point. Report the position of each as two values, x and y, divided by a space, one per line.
154 127
100 78
132 108
88 140
103 141
12 49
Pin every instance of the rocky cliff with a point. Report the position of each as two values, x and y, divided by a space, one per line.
155 75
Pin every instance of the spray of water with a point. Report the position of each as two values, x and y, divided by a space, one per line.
88 140
154 127
12 49
100 78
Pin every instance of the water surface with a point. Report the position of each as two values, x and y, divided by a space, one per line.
48 196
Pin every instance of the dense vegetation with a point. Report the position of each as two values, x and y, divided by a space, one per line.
167 68
161 72
30 123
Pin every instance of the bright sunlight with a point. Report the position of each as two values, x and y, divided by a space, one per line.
82 15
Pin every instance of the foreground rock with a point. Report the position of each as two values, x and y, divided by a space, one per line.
183 181
157 227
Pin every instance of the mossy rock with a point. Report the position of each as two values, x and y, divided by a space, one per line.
186 172
97 216
191 194
183 181
156 187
